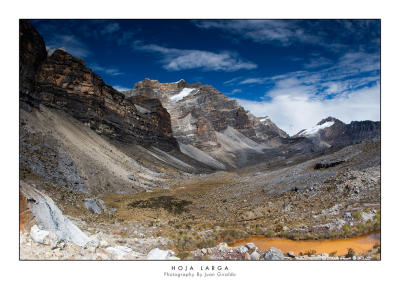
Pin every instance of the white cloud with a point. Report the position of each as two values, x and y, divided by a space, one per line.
348 90
233 92
70 43
109 71
294 106
257 80
232 81
125 37
110 28
317 62
236 90
280 31
121 88
364 33
181 59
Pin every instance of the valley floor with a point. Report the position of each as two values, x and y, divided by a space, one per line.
289 198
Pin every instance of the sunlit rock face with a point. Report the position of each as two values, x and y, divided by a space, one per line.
198 111
204 118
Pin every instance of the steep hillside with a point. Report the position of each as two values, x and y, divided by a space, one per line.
63 82
79 134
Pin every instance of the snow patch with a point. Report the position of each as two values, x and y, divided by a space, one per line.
316 128
185 92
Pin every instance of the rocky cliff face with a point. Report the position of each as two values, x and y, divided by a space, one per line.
205 119
198 111
333 132
63 82
32 53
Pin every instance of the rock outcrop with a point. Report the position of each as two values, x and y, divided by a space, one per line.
63 82
157 254
49 218
273 254
32 53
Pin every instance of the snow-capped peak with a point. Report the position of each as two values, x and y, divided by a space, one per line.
264 119
316 128
184 92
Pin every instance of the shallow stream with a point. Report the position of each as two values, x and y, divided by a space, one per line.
360 244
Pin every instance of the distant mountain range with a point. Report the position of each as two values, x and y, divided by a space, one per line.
333 132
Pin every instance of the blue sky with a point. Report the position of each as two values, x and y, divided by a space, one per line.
294 71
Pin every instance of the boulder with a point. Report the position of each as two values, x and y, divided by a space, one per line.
118 252
93 243
288 207
255 256
367 216
291 254
173 258
273 254
243 249
42 236
157 254
91 205
222 247
103 244
251 246
124 249
102 205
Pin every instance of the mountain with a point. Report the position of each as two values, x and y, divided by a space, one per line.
208 125
63 82
111 175
196 123
78 133
333 132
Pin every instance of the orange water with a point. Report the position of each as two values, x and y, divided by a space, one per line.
360 244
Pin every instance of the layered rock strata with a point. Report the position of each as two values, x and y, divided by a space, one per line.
63 82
